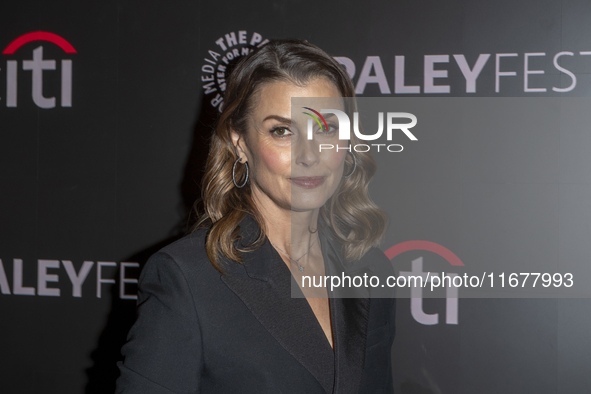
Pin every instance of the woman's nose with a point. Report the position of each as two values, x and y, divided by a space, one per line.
306 152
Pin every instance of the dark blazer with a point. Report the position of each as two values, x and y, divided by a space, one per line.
198 331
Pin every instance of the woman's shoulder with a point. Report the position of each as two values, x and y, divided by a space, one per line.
375 253
381 267
377 259
190 246
188 254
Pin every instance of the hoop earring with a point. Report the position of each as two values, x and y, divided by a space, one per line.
354 166
234 174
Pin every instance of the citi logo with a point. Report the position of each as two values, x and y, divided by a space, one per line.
37 65
416 292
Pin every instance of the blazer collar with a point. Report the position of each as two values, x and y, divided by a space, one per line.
264 283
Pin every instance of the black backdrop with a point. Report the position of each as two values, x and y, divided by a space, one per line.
111 178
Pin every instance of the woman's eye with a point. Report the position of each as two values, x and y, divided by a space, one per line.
281 131
331 129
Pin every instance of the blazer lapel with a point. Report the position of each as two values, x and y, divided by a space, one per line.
264 283
350 317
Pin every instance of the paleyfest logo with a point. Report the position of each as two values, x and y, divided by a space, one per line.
229 47
344 126
37 65
494 73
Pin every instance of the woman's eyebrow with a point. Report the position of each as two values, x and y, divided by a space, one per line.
279 118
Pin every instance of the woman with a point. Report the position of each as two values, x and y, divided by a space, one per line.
215 309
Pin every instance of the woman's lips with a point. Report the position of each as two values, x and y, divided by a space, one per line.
308 182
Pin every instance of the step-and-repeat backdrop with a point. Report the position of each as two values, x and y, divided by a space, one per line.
105 110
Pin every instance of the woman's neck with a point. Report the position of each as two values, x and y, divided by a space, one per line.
292 231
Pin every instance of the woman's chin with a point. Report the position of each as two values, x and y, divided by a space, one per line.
299 204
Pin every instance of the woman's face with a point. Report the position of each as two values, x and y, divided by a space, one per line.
285 168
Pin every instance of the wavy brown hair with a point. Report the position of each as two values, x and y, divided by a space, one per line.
355 221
